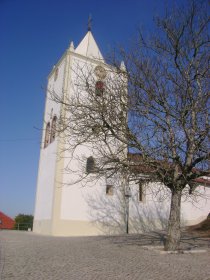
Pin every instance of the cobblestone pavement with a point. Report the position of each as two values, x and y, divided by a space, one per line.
24 255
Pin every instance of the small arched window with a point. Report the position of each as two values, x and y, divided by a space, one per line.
47 135
53 129
99 88
90 165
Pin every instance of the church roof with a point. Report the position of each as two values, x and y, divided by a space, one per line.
89 48
6 222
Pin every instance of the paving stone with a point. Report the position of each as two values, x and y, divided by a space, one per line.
24 255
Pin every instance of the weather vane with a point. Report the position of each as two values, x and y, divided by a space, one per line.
89 23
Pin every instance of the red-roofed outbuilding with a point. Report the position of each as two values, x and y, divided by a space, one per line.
6 222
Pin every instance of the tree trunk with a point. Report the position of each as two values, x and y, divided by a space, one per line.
174 232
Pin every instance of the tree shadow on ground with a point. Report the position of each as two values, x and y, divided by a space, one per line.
157 238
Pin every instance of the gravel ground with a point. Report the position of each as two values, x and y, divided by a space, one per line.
24 255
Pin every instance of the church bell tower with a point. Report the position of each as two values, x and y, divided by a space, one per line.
61 210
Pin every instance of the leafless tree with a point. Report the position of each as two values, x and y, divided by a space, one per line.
154 106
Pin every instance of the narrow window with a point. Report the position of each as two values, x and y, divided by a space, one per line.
51 113
53 129
99 88
47 135
141 193
90 165
109 190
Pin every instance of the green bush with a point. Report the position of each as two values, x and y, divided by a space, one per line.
23 222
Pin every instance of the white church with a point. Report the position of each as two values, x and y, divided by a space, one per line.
65 206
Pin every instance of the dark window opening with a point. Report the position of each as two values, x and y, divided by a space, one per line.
141 193
53 129
96 129
90 165
109 189
47 135
99 88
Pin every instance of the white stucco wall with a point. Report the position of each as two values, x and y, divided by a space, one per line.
45 184
76 188
77 192
154 211
48 156
196 208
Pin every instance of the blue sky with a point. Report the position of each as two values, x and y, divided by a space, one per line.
33 36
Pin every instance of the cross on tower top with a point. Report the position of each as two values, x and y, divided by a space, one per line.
89 23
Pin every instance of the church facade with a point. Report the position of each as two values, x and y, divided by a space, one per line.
66 204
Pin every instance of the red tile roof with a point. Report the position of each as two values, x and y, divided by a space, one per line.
203 181
6 222
135 158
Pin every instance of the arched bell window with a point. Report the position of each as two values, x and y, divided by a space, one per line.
47 135
53 129
90 165
99 88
